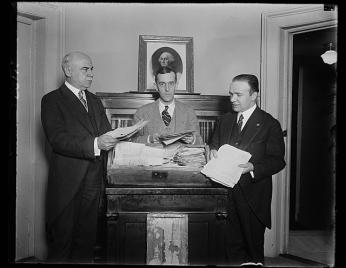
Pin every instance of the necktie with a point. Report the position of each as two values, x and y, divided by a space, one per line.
240 122
165 116
81 98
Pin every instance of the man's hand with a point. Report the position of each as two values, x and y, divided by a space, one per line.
213 154
154 138
247 167
106 142
188 138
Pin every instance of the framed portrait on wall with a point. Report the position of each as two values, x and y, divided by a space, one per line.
172 51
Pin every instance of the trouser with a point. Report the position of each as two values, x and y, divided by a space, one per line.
245 235
72 235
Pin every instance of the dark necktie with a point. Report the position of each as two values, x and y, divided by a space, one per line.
81 98
165 116
240 122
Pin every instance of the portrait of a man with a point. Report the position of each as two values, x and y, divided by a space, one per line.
166 57
174 52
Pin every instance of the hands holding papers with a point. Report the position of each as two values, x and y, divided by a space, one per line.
187 137
227 165
126 132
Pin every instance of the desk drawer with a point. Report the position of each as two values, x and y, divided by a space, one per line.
164 203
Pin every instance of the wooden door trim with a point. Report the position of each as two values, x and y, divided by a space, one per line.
278 29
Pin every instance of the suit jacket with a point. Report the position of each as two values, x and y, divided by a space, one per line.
262 137
70 131
183 119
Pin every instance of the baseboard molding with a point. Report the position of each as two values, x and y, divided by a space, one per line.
303 260
31 259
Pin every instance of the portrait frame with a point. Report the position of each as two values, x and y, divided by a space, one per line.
151 47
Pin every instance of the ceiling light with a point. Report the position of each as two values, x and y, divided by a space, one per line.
330 56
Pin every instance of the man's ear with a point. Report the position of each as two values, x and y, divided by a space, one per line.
67 70
254 95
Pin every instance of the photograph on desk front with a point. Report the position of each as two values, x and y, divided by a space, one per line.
165 51
167 239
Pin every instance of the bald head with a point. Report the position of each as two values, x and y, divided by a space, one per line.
77 67
73 56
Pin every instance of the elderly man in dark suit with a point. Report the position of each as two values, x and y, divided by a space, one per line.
251 129
75 124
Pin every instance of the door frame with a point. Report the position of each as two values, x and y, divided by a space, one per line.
48 45
278 30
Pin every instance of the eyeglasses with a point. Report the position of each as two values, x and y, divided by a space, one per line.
163 85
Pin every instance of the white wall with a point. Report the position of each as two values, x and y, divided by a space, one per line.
226 39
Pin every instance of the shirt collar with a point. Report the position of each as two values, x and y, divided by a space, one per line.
74 89
246 114
171 107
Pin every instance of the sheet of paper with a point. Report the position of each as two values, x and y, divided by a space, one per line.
175 135
171 138
225 168
137 154
127 132
170 141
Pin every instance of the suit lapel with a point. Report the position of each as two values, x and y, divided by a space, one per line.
157 114
231 122
92 107
76 108
178 115
251 128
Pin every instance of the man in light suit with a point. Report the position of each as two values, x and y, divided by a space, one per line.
253 130
75 124
167 115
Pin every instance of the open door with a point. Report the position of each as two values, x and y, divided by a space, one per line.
312 180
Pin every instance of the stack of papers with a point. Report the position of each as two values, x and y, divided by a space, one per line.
137 154
190 156
171 138
126 132
225 168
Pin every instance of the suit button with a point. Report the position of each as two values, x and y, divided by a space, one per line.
236 143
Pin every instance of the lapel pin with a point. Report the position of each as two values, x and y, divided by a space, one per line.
257 124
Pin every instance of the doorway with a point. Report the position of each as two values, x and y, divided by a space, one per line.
313 124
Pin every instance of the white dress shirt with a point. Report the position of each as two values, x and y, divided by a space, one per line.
75 91
246 115
171 107
170 110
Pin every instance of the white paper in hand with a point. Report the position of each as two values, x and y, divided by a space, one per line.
127 132
225 168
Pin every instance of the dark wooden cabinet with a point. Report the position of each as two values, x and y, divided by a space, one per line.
131 197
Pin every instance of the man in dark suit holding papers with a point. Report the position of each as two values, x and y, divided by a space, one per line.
76 127
253 130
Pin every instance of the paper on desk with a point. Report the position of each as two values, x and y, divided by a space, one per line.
225 168
137 154
126 132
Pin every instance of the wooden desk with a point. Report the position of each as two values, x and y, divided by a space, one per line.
133 193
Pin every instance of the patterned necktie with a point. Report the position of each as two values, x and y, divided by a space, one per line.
165 116
240 122
81 98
